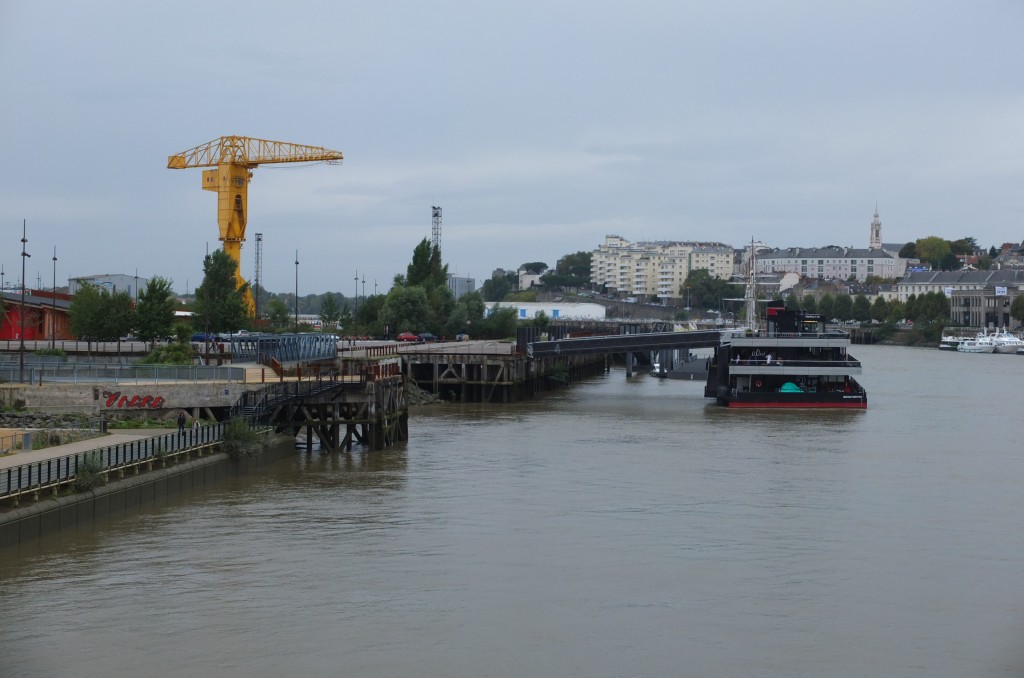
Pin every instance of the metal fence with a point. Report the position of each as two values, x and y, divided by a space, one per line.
89 373
52 473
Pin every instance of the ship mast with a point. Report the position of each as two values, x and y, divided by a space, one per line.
750 297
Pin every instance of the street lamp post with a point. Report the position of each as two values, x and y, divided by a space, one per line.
355 304
296 291
53 315
21 350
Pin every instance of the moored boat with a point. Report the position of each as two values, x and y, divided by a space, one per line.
1005 342
980 344
793 363
950 342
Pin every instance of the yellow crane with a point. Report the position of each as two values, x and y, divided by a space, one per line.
234 158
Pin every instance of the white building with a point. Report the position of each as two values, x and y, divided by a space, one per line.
111 282
842 263
527 310
648 270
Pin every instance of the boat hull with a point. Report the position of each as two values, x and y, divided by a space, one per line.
798 401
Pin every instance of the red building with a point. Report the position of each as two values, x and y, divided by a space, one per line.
46 315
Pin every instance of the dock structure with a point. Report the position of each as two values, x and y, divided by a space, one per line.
365 403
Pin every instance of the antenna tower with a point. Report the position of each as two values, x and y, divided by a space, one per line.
435 238
258 272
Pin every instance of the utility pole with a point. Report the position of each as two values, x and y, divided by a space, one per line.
21 350
53 315
257 274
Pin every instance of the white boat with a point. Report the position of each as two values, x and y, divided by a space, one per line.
950 342
1006 342
980 344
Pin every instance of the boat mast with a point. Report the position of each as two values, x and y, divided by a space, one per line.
751 293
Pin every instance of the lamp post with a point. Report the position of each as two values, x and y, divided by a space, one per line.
296 291
374 287
53 314
355 304
364 286
21 350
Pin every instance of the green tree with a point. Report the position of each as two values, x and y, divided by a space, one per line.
879 309
277 314
964 246
861 308
843 308
809 304
154 314
368 316
826 306
220 305
934 250
406 309
908 251
496 288
534 267
1017 308
329 314
86 313
706 291
500 324
118 316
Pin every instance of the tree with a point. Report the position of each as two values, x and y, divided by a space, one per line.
964 246
500 324
329 312
808 304
843 308
908 251
368 316
572 270
880 309
826 306
534 267
861 308
406 309
220 305
705 290
86 313
1017 308
277 314
118 316
934 250
495 289
154 314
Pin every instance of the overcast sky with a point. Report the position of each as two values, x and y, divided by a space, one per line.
538 127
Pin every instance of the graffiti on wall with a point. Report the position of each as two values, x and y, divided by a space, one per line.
141 402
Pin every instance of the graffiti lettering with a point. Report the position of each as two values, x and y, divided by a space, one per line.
115 399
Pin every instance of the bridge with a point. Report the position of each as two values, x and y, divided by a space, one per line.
624 343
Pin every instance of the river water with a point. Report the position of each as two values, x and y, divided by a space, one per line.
621 527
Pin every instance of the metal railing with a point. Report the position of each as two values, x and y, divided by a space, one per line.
76 373
52 473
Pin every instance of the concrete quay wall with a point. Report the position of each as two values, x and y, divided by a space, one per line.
122 398
54 515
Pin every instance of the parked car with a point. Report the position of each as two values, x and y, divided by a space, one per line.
427 337
407 336
200 337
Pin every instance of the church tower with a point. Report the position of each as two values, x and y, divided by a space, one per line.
876 231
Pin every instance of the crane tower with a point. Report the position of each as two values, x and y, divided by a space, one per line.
435 239
233 158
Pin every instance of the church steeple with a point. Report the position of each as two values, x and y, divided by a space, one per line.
876 231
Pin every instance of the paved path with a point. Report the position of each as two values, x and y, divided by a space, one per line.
121 436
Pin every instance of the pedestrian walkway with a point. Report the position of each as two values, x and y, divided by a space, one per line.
58 451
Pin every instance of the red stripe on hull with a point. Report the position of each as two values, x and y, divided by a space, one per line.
837 405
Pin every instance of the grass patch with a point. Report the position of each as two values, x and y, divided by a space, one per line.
90 472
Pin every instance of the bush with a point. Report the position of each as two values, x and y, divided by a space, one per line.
240 440
90 472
